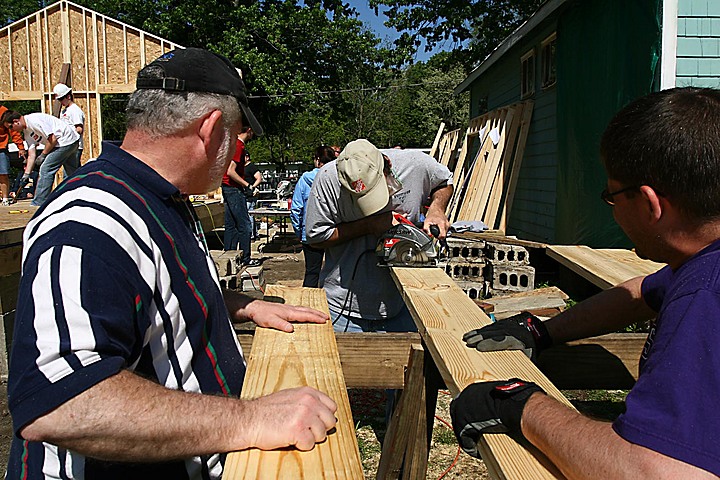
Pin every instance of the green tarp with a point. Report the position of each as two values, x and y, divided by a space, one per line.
607 56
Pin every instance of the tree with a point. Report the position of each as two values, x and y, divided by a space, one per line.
482 23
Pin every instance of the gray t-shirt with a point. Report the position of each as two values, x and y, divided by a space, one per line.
354 284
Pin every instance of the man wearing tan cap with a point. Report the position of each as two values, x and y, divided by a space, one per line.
351 204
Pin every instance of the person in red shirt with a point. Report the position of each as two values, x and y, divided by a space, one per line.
6 135
238 228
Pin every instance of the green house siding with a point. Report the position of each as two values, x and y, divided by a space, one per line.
532 216
698 43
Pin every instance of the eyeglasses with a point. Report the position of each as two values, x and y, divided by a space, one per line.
607 197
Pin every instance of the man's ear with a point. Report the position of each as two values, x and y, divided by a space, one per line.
211 130
654 202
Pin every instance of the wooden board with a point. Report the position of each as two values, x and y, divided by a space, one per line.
540 298
607 362
369 360
281 360
443 313
604 268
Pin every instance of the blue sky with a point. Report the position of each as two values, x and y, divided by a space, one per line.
375 23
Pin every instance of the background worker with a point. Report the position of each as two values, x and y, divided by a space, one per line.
351 204
254 178
662 158
71 114
237 219
59 140
313 256
6 136
125 363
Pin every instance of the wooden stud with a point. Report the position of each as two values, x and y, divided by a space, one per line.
402 431
433 150
517 163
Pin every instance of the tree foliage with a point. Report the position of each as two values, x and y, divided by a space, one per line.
315 74
483 24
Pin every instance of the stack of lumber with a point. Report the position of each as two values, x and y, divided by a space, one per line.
487 167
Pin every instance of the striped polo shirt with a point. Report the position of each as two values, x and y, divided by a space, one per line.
115 276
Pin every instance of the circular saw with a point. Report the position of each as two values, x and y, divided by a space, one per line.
406 245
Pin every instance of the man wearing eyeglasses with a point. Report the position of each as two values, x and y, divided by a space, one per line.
350 205
662 157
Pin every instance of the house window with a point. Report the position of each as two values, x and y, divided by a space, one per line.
482 105
548 59
527 83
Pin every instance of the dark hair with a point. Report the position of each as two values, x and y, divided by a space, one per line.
324 154
669 140
9 117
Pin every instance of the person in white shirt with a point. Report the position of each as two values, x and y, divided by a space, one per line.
71 114
60 142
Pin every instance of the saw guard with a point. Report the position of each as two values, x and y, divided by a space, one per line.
406 246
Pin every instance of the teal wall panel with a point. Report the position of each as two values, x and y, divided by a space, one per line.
698 43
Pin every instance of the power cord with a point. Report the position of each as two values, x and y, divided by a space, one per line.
457 454
347 294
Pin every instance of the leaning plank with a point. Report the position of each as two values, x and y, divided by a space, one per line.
443 313
281 360
604 268
433 150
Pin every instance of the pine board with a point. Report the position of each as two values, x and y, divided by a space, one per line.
279 360
605 267
443 313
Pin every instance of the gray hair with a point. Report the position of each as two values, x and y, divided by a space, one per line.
160 113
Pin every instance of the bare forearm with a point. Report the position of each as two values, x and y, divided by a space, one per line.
128 418
587 449
50 145
344 232
606 312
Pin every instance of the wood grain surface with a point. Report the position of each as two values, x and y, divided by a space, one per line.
279 360
443 313
604 267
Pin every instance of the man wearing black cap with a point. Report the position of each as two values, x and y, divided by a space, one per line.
124 362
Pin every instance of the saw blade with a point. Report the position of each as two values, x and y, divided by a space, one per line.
407 253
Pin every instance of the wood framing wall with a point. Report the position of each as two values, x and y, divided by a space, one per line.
103 54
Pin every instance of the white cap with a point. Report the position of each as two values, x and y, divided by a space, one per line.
61 90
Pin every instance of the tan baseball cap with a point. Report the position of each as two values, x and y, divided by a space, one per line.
360 170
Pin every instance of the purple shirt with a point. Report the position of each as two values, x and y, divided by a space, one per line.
672 407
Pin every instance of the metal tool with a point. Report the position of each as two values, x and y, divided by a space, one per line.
405 245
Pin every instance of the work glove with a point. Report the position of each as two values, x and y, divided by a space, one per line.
489 407
25 179
39 160
523 331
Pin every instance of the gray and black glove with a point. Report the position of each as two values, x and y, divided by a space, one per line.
25 179
489 407
523 331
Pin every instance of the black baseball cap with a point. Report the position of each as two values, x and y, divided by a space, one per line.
198 70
